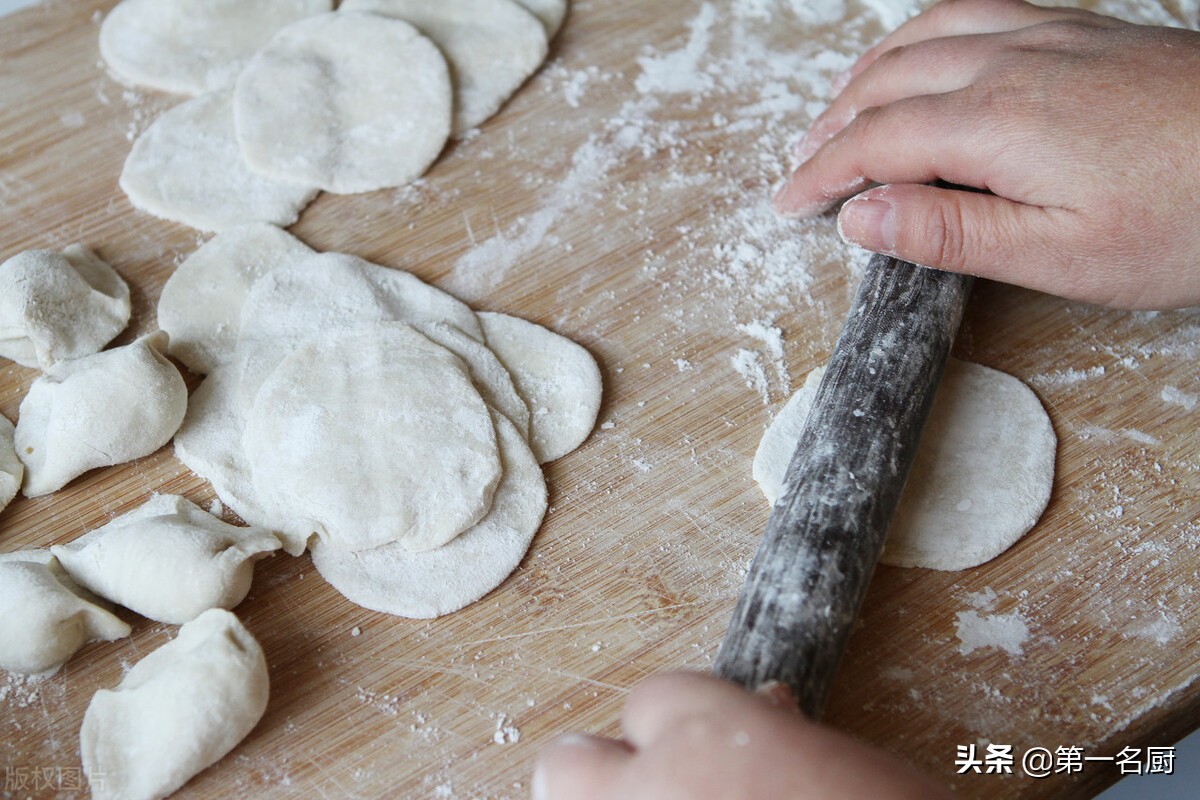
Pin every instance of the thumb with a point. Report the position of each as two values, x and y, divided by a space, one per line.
950 229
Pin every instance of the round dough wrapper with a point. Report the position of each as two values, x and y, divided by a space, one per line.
424 585
201 303
558 378
982 475
327 293
192 46
371 437
12 471
209 443
59 306
346 101
168 560
492 47
44 616
186 167
177 711
97 411
550 12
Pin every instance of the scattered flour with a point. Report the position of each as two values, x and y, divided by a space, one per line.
1177 397
1007 632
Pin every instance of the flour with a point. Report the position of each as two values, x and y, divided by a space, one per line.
1008 632
1175 396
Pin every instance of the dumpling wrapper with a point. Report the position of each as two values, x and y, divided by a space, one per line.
177 711
201 304
186 167
982 475
492 47
97 411
373 436
57 306
345 101
168 560
327 293
429 584
558 378
192 46
12 471
44 616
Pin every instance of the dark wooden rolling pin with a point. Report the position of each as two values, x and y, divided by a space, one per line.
826 531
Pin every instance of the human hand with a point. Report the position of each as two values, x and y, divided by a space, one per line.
1084 130
694 737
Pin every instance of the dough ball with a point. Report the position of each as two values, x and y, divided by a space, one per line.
178 710
558 378
168 560
492 47
550 12
97 411
373 436
424 585
192 46
346 101
982 475
186 167
57 306
201 303
44 616
12 471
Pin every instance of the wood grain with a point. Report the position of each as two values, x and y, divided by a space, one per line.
636 223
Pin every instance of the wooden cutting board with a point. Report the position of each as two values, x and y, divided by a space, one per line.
620 199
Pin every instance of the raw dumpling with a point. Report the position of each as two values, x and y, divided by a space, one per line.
179 710
982 475
11 469
558 378
168 560
550 12
372 436
104 409
492 46
186 167
44 616
56 306
192 46
201 304
346 101
424 585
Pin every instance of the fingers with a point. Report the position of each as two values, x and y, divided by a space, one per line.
578 767
914 140
959 18
962 231
662 705
925 68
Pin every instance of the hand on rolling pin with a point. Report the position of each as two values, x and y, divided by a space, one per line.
1084 130
694 737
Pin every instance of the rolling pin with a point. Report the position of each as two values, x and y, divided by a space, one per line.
826 531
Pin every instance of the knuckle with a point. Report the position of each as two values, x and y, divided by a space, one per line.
944 235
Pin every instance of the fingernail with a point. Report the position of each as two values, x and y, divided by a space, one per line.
780 695
869 223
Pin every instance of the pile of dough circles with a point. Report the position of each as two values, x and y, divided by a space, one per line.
981 479
290 97
359 411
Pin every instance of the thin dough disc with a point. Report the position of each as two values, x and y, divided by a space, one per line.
558 378
192 46
981 479
186 167
347 101
426 585
373 436
201 304
492 46
331 292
